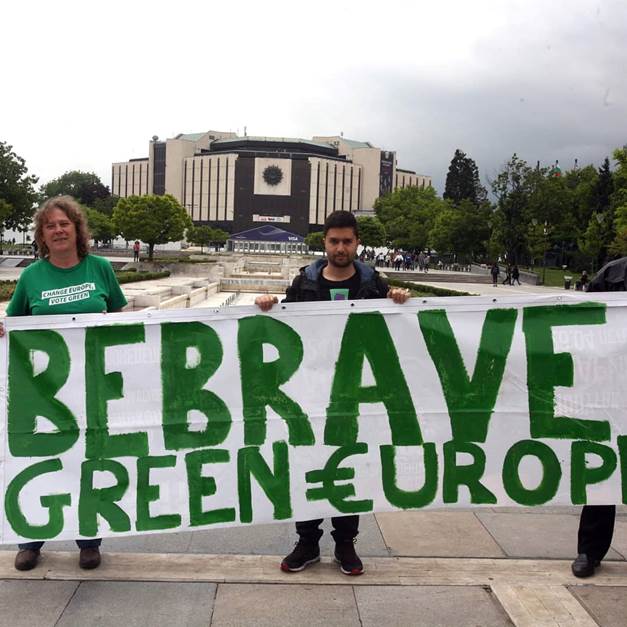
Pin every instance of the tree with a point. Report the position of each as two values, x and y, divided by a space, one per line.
445 227
604 187
218 237
17 190
151 219
462 230
408 214
512 188
314 240
537 240
591 241
200 235
85 187
618 204
619 246
106 205
100 226
371 232
463 182
581 185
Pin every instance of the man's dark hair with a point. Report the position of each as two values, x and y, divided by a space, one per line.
341 220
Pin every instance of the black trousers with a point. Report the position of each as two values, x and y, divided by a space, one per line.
596 528
344 528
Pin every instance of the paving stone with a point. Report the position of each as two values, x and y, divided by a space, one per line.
148 543
606 604
256 540
541 509
428 605
278 539
261 605
442 534
136 604
26 603
536 535
619 541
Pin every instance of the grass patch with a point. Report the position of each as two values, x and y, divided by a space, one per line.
420 289
555 276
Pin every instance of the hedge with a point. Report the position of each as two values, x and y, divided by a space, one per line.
421 289
8 287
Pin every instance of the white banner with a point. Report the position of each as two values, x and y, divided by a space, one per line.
168 421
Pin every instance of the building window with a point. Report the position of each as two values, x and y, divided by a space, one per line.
158 174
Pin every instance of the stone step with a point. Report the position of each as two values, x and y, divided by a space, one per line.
400 571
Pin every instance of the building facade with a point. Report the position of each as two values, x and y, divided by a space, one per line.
239 183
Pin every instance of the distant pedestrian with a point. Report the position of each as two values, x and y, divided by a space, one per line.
35 249
508 275
136 249
427 262
584 280
515 275
495 271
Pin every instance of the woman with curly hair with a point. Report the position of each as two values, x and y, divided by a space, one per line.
65 280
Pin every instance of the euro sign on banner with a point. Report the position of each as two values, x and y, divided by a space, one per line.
157 421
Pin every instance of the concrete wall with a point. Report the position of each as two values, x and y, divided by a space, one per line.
370 161
176 152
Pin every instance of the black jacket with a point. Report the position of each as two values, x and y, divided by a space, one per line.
612 277
306 285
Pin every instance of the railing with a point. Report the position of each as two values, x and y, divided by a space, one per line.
229 301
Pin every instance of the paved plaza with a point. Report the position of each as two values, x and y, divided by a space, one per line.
488 566
495 566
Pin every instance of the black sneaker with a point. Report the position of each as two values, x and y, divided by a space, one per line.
347 558
303 555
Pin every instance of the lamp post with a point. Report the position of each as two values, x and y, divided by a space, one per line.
600 217
545 232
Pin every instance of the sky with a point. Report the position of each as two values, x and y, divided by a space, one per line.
85 84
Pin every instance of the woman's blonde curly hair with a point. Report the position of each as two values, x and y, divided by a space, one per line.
74 212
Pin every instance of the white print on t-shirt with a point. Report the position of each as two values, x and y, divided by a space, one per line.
68 294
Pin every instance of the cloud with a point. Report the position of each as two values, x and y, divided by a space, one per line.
545 80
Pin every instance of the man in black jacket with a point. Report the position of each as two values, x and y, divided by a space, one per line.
596 525
338 277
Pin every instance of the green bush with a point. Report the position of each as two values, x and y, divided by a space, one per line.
420 289
6 290
8 287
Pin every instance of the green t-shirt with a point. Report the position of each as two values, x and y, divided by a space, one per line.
88 287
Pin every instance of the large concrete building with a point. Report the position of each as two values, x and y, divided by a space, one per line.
237 183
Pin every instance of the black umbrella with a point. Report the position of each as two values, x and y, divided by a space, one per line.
612 277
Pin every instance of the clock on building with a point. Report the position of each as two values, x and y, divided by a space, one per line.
273 175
